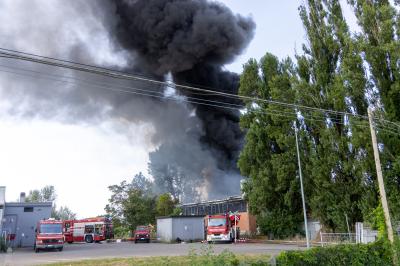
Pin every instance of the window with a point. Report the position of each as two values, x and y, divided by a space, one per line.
216 222
67 227
50 229
89 229
28 209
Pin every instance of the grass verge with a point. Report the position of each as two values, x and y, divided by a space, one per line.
224 258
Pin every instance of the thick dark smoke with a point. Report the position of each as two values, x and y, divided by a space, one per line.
192 39
178 35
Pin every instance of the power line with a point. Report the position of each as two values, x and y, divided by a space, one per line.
196 101
121 75
90 83
321 117
115 74
291 105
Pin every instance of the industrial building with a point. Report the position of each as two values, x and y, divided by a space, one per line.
247 223
18 219
184 228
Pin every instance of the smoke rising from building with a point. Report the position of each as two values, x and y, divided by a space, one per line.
191 39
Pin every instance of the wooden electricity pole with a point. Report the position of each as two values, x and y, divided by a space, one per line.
382 191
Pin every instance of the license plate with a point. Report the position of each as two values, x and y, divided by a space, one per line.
142 238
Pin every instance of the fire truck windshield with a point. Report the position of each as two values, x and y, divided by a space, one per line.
216 221
50 229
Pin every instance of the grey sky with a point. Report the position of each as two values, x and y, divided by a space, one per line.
82 160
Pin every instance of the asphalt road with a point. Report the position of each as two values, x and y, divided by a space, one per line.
72 252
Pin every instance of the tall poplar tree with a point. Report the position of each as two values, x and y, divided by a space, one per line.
338 166
332 77
269 156
379 41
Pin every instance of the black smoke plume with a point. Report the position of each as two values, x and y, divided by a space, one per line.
192 39
195 146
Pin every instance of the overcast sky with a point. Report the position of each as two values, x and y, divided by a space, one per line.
82 160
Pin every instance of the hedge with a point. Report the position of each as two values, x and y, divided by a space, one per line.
377 253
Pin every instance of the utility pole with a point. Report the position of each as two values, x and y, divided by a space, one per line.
382 191
301 186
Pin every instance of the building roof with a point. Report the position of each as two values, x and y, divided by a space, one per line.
233 198
29 204
180 216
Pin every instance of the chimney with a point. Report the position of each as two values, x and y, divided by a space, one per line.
22 197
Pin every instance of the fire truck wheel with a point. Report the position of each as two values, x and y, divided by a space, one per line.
148 240
70 242
36 250
89 239
60 249
135 241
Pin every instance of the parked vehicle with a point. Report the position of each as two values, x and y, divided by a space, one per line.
142 233
88 230
49 235
221 228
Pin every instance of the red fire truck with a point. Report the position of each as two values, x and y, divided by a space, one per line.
49 235
88 230
221 228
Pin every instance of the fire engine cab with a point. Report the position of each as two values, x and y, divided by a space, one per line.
222 228
49 235
88 230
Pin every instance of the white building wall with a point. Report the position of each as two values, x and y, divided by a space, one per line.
164 229
188 228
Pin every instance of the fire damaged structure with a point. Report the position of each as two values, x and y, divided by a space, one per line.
247 223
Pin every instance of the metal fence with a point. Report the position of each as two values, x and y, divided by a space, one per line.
337 238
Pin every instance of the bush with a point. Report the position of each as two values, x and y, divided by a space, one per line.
122 232
207 257
377 253
279 224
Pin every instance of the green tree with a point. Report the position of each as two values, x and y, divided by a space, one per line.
335 147
332 76
379 42
131 204
165 204
138 209
64 213
48 194
45 194
269 156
